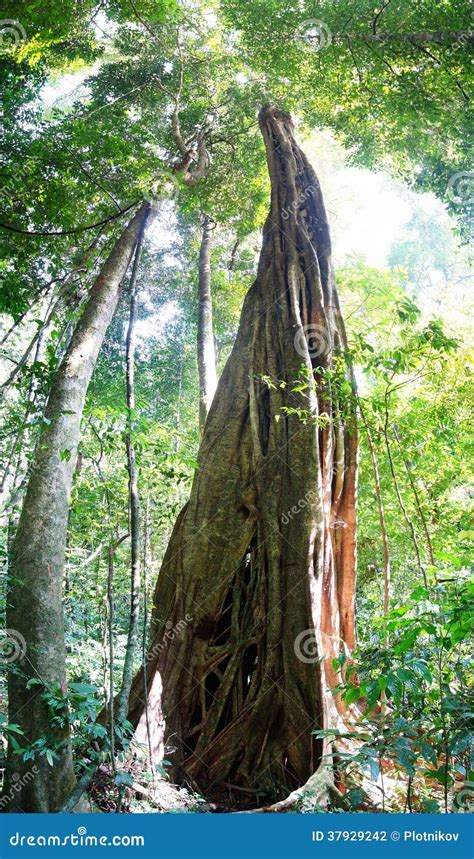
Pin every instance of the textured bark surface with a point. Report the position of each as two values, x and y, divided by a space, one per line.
205 339
133 494
254 601
34 602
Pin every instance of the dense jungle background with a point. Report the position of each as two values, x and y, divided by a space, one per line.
222 396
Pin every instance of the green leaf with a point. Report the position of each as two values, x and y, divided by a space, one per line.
428 753
421 668
34 681
420 593
14 729
352 695
123 778
405 758
83 688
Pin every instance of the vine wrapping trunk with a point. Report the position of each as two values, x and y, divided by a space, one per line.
254 601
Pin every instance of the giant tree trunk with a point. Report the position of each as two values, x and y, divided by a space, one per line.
255 597
205 338
34 601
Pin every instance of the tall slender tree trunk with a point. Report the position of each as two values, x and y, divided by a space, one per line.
134 498
205 338
233 255
255 597
416 495
34 600
110 624
381 512
146 564
398 493
178 398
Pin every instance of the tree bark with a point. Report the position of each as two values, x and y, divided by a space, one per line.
254 600
134 499
205 338
34 611
382 522
110 624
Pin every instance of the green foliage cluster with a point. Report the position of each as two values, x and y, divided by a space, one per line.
410 688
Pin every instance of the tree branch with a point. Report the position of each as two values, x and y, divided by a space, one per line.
113 217
375 21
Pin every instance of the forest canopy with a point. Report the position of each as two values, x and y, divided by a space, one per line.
236 398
